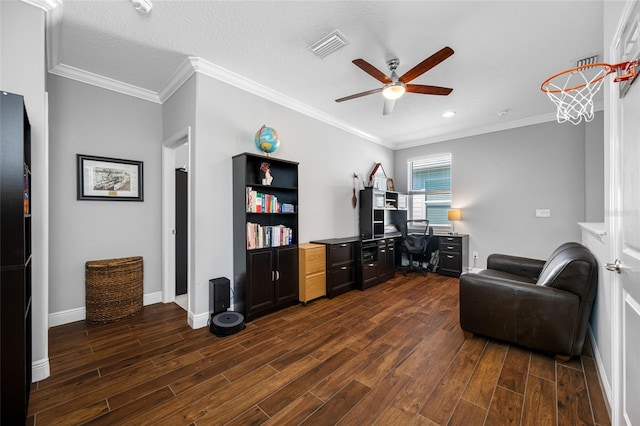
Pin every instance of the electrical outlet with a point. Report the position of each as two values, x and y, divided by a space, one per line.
475 254
543 212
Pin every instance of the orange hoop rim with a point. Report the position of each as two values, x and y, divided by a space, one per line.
628 67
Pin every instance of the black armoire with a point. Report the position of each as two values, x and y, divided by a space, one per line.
15 260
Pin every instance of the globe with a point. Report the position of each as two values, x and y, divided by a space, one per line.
267 140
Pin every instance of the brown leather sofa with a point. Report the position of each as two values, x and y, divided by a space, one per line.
532 303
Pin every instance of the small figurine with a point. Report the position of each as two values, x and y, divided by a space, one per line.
267 179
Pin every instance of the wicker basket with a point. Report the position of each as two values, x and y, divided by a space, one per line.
113 289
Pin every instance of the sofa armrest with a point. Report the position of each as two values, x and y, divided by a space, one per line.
522 266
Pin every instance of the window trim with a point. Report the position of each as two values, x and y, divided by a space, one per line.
435 160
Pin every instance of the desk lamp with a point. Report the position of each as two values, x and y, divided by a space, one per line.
454 215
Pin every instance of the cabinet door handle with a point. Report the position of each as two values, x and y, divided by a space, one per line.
273 276
343 245
372 264
449 239
343 267
277 275
391 249
450 247
382 251
449 256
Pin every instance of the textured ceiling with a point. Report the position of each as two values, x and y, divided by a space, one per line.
503 51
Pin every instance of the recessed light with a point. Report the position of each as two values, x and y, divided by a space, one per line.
448 114
142 6
503 112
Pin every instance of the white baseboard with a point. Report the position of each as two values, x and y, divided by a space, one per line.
66 317
79 314
151 298
199 320
40 370
604 382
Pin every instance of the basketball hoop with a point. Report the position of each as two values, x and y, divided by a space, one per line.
572 90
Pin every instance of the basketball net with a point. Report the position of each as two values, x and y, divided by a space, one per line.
572 90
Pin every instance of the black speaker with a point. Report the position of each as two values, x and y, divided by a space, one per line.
219 289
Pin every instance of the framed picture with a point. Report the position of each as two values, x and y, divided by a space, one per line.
101 178
390 186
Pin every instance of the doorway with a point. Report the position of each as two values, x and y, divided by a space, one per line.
177 260
181 257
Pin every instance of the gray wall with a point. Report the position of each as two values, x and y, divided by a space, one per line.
94 121
225 126
594 169
22 71
88 120
499 180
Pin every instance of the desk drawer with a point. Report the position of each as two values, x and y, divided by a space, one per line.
450 261
340 280
450 244
314 260
341 254
315 286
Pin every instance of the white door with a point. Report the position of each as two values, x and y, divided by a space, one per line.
625 222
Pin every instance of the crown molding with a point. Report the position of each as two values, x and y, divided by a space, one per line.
46 5
177 79
104 82
214 71
545 118
53 25
477 131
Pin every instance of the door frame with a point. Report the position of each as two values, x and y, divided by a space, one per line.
169 147
613 221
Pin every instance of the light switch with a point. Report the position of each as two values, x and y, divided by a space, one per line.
543 212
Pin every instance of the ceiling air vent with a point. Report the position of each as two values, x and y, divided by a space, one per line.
328 44
587 61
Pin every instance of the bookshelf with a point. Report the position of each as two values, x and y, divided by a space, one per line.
265 235
378 210
15 260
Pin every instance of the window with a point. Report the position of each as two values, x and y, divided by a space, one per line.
430 189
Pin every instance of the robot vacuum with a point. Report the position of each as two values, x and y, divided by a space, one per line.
226 323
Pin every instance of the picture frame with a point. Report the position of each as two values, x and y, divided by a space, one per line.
390 185
109 179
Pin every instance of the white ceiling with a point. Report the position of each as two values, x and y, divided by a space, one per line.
503 52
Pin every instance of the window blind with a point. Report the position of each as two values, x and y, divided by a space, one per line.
430 188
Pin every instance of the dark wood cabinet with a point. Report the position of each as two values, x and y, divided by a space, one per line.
265 235
15 260
377 262
341 264
454 254
387 259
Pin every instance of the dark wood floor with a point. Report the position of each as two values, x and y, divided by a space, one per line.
393 354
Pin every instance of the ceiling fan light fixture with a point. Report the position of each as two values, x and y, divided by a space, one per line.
394 90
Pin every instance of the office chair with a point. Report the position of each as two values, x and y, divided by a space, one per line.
416 244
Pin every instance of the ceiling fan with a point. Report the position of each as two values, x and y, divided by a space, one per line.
394 86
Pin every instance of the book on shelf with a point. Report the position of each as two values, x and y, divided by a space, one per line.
259 236
258 202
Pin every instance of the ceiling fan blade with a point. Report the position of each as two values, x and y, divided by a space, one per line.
427 64
359 95
428 90
388 106
372 71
